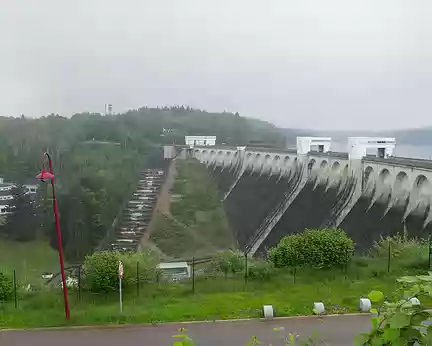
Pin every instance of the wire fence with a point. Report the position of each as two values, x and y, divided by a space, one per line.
203 275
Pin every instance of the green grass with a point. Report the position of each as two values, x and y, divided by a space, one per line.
215 298
179 240
198 223
291 292
29 259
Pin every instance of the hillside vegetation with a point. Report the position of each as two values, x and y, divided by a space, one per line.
29 259
197 224
96 160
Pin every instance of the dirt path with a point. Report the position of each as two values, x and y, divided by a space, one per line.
163 202
334 331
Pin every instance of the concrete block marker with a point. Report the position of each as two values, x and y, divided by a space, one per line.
318 308
414 301
268 312
365 305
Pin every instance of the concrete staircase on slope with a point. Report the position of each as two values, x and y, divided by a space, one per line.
138 212
273 218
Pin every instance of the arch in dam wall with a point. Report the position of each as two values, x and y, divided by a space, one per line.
321 170
382 182
372 196
401 187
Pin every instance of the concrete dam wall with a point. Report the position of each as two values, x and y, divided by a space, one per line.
366 225
268 194
311 209
316 205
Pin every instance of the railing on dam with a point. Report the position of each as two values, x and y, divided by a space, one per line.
401 161
335 154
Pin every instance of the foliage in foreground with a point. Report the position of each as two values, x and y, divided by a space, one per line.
402 321
320 248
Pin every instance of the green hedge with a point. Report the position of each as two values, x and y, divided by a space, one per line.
323 248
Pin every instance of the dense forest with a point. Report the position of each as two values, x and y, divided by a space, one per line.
97 159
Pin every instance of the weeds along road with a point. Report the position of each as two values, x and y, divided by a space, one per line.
334 331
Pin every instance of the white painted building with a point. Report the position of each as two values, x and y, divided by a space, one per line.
359 147
307 144
200 140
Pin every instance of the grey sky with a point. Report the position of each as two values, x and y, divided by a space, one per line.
321 64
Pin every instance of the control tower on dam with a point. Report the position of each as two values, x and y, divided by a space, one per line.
366 191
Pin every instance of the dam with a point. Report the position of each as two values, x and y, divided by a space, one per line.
365 191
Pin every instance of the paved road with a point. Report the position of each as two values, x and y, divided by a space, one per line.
334 331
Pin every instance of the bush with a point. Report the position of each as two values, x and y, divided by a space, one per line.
400 247
101 271
229 262
147 267
5 287
261 270
318 248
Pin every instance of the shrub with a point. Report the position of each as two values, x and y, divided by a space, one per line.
5 287
261 270
147 267
101 271
400 247
319 248
229 261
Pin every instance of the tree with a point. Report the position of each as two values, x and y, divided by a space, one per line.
22 222
95 177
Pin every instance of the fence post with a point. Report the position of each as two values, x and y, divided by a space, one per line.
137 279
389 256
193 274
246 268
346 264
430 249
15 288
79 283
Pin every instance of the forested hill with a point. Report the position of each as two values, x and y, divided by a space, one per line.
97 158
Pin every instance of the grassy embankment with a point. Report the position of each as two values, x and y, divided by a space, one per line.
197 224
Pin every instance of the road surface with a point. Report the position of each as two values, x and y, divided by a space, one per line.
334 331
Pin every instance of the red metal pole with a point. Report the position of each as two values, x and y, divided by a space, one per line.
60 242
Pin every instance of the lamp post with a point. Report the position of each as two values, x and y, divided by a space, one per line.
46 176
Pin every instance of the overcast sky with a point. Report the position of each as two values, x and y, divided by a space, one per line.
323 64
